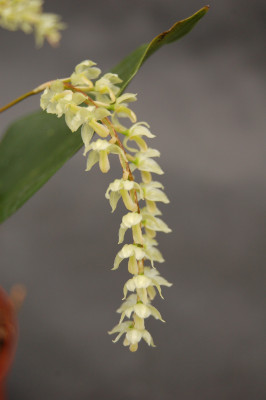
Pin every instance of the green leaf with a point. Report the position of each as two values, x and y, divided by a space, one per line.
128 67
36 146
28 161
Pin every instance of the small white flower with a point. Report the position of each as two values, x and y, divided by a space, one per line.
76 116
137 282
121 187
146 210
53 96
152 192
140 129
151 153
152 252
149 278
153 274
128 251
153 223
141 310
99 152
131 220
156 279
121 329
133 335
121 110
56 86
135 133
107 84
84 72
144 162
48 27
58 101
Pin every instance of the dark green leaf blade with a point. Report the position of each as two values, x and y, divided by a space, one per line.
130 65
36 146
32 150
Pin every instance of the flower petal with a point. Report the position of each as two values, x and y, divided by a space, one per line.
86 135
93 158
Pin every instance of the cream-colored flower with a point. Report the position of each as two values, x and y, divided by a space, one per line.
55 99
154 223
121 110
153 274
107 84
150 277
137 282
152 252
56 87
131 305
75 116
84 72
135 133
140 129
143 161
98 151
129 251
121 188
131 220
121 329
152 191
28 16
133 335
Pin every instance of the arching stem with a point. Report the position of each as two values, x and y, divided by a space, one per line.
37 90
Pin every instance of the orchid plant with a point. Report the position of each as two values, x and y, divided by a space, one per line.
96 106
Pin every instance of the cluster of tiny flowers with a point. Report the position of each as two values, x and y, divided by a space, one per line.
94 105
27 15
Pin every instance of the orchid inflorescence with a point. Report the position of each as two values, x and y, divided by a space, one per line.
95 105
28 16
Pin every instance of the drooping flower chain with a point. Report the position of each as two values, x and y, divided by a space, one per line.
97 108
27 15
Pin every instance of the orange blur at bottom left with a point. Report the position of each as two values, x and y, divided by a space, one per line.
8 331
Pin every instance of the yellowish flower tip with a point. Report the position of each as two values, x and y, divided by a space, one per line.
133 347
27 15
104 161
90 103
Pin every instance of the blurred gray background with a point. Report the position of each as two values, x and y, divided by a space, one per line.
203 97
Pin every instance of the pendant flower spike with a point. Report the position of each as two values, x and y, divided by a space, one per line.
28 16
90 102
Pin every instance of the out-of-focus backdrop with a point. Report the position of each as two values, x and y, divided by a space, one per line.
203 97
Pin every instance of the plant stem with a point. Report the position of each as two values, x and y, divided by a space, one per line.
26 95
12 103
